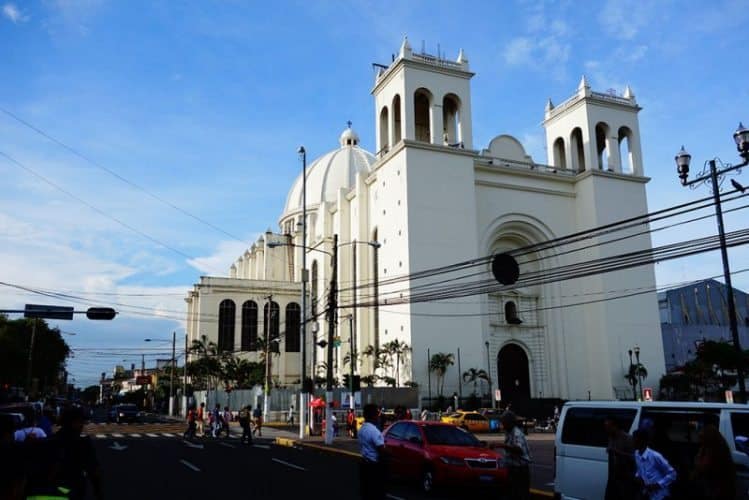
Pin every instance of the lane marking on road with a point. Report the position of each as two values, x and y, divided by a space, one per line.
118 435
152 435
263 446
101 436
227 445
189 465
167 434
388 495
550 484
287 464
192 445
135 435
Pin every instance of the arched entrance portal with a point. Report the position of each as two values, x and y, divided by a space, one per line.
514 378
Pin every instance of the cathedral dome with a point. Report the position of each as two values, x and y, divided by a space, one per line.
329 173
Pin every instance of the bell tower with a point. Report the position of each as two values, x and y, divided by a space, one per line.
425 98
594 131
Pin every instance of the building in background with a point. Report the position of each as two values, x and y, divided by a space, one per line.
431 198
697 312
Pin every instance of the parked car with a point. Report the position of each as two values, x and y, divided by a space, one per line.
437 454
469 420
580 446
123 413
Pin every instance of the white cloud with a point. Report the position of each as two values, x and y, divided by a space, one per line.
625 19
222 258
519 51
14 14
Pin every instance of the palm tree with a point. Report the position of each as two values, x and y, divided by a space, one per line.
474 375
208 366
439 363
399 349
380 358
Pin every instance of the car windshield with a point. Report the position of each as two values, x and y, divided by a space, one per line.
449 436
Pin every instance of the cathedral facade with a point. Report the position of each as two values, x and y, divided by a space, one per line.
414 223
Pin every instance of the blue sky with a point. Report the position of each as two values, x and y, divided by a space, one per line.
204 104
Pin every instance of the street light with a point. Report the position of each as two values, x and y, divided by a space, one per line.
174 368
489 372
303 327
639 369
711 175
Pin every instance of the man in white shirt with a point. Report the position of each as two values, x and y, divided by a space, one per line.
30 430
372 445
654 474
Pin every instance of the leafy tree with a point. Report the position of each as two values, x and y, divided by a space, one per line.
380 360
439 363
48 359
474 375
396 349
90 394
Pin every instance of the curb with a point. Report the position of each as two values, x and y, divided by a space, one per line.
292 443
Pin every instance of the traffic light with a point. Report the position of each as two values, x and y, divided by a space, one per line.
102 313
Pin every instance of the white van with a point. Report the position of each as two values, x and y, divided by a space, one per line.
581 462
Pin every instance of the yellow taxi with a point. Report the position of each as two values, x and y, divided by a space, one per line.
469 420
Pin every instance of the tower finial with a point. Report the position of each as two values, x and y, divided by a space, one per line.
583 84
348 123
462 56
405 50
628 94
549 105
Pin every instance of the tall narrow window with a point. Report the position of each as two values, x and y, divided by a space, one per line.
421 115
249 325
396 119
384 131
226 313
271 317
293 324
602 132
560 155
576 148
625 137
511 313
314 289
450 119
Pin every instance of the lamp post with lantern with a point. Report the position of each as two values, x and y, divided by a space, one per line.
711 175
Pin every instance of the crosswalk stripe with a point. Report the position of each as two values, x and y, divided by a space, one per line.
152 435
117 435
167 434
135 435
101 436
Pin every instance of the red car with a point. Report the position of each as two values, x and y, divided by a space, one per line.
441 454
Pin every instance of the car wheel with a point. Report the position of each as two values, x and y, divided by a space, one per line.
427 481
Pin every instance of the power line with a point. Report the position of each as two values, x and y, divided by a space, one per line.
118 176
94 208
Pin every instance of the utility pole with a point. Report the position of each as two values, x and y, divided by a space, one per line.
267 358
31 357
171 379
184 381
332 305
303 333
352 358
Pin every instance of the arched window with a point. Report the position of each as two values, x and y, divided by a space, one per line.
625 136
450 119
422 121
384 131
396 119
602 132
511 313
272 317
560 154
313 289
576 148
293 325
249 325
226 315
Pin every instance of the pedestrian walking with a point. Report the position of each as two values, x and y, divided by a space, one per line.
290 417
714 476
424 415
226 420
372 476
351 423
191 417
621 476
257 415
200 420
216 421
517 458
654 474
245 416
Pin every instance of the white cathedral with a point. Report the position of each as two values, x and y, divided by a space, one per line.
428 199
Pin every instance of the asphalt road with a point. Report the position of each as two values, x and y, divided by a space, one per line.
168 467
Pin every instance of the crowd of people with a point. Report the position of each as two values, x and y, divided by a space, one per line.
40 463
215 422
